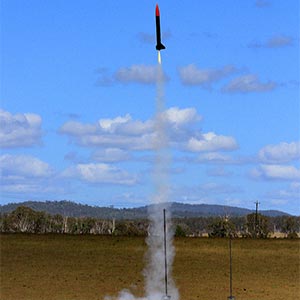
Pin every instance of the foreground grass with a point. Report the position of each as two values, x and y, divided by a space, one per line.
64 267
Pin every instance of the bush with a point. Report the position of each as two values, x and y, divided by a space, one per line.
179 231
292 235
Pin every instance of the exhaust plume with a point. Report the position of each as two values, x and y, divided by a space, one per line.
154 272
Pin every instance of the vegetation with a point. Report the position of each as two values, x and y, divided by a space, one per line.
26 220
57 266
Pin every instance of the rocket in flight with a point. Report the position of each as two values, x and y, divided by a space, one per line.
159 45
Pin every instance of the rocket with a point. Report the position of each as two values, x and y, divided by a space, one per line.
159 45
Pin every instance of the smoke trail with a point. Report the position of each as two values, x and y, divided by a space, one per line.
154 273
155 270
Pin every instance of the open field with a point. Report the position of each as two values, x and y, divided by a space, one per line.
65 267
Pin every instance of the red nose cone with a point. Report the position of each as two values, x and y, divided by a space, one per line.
157 11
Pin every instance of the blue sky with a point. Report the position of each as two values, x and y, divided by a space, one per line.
78 87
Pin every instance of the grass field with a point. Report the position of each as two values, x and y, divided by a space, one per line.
61 267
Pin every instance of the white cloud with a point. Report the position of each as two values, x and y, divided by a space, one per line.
139 74
24 174
100 173
180 117
248 84
110 124
212 142
276 172
19 130
125 133
192 75
119 132
281 153
23 166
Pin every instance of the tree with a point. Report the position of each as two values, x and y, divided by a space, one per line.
290 227
179 232
23 219
257 226
5 223
57 224
222 227
41 222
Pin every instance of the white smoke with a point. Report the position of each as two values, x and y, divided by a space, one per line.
154 272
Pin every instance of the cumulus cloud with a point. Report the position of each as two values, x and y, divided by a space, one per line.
278 41
19 130
125 133
192 75
100 173
178 117
120 132
110 125
138 74
276 172
212 142
22 174
248 84
23 166
281 153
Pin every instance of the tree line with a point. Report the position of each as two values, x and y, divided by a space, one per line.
26 220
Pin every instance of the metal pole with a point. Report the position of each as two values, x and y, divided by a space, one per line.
230 259
256 219
165 248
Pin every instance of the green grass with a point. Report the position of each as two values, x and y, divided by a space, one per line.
65 267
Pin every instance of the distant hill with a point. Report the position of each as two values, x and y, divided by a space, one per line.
179 210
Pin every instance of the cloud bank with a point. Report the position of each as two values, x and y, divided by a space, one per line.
125 133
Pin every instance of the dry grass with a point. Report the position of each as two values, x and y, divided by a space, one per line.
60 267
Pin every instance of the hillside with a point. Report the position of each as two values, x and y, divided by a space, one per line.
179 210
